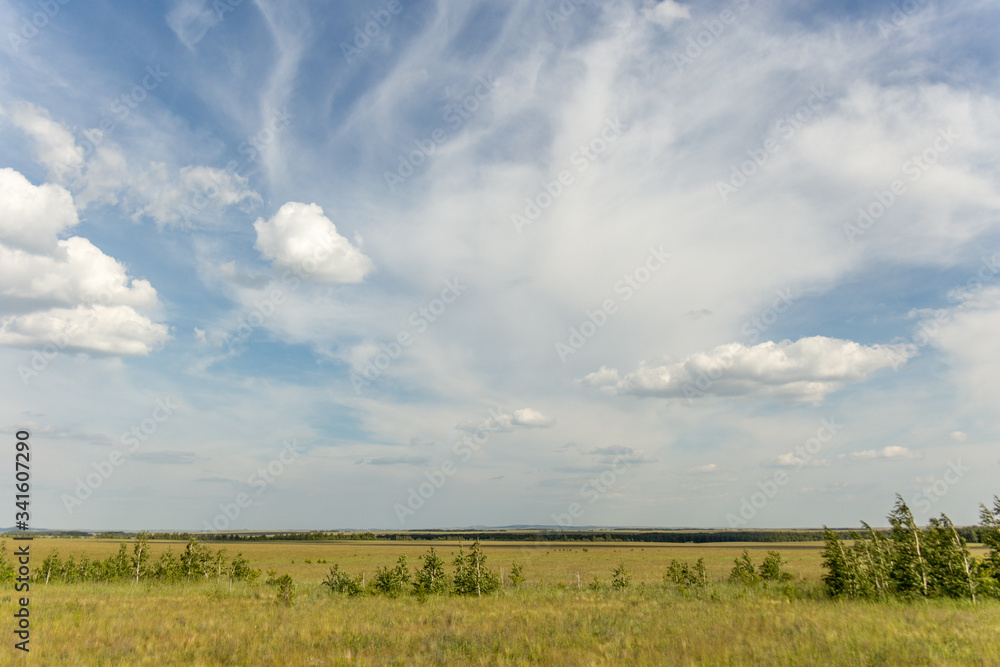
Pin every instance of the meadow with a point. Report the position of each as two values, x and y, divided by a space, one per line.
552 617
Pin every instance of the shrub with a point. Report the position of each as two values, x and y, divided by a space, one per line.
770 568
472 576
286 589
6 565
743 571
431 578
340 582
621 578
390 581
516 574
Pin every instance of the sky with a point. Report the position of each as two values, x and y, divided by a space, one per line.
404 264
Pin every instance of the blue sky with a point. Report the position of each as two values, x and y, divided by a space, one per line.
625 263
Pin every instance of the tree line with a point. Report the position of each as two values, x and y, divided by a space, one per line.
914 562
470 576
195 562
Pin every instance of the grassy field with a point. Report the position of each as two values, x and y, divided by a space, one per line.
549 619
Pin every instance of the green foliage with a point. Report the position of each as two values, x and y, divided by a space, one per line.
390 580
140 556
743 571
621 578
684 575
285 586
770 568
909 564
197 561
7 569
951 572
239 570
431 579
595 585
989 533
913 562
472 576
339 581
517 574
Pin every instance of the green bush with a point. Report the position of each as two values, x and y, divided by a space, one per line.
339 581
743 571
621 578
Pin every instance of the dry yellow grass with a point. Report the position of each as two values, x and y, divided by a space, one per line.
548 621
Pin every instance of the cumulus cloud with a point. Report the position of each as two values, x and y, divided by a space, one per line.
507 421
529 418
804 370
65 290
32 216
299 237
889 452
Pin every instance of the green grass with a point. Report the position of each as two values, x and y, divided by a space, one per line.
548 620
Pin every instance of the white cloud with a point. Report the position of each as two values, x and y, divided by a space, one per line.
191 20
889 452
196 194
117 330
32 216
805 370
65 289
300 238
620 454
667 12
506 421
791 460
529 418
55 146
967 337
191 194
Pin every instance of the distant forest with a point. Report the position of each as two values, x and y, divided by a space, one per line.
969 533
